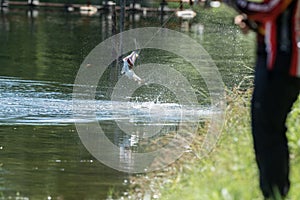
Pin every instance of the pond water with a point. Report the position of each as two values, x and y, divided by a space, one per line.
41 154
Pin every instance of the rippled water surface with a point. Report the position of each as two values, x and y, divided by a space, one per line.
41 154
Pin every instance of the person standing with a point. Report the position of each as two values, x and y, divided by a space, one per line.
276 85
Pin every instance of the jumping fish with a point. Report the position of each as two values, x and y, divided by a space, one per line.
127 69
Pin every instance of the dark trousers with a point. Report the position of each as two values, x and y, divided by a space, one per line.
274 94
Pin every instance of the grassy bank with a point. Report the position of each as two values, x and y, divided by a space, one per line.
229 172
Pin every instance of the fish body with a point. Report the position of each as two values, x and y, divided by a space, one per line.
127 69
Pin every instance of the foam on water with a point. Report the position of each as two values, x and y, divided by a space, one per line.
45 103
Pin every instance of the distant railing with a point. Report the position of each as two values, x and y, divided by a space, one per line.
88 7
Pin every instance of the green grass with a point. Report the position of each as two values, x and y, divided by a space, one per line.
227 173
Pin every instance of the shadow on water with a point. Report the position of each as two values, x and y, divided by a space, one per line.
40 53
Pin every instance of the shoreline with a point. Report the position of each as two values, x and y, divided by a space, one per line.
228 172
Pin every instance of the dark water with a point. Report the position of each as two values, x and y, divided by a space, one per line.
41 155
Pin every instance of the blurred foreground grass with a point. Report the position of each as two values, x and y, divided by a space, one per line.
227 173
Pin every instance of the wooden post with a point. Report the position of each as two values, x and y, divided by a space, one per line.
133 4
114 19
180 5
163 2
114 32
105 7
191 2
30 2
33 3
122 17
162 12
207 3
122 22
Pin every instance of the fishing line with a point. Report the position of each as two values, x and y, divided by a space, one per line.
164 23
137 46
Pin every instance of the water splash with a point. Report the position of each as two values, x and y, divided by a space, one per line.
50 103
